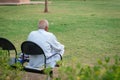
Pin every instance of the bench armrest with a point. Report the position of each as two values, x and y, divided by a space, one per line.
54 55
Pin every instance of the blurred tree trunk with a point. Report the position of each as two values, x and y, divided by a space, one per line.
46 6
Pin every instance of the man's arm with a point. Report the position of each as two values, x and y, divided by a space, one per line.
56 46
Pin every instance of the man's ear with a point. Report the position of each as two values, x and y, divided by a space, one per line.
46 28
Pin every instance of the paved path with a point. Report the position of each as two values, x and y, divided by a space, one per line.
33 76
21 3
37 76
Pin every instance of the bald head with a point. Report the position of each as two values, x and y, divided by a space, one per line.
43 24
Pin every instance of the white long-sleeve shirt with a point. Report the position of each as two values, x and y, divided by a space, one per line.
48 42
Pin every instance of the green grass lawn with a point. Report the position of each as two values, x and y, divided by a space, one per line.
89 29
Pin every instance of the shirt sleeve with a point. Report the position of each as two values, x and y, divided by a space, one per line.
56 46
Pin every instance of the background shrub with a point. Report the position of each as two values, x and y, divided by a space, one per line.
109 69
6 71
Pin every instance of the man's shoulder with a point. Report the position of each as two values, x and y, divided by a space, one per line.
50 34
